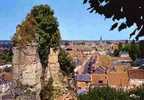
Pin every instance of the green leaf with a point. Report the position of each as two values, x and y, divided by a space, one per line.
114 26
122 26
133 33
85 1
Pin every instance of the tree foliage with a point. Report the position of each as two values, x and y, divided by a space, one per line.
48 35
47 25
117 10
139 92
25 33
66 63
116 52
40 26
134 51
141 46
105 93
6 56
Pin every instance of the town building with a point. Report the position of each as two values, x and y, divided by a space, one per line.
136 77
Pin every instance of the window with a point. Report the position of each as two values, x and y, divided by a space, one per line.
100 81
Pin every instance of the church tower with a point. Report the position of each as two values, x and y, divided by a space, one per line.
101 40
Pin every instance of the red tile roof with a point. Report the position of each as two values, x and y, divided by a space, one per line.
136 73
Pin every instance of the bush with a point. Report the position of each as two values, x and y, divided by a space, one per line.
139 92
66 63
106 93
6 56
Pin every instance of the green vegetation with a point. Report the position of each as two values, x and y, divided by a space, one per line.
107 93
135 50
121 12
40 26
6 56
48 35
66 64
25 33
46 92
116 52
104 60
139 92
141 46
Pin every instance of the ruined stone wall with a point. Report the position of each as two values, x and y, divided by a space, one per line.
27 72
59 88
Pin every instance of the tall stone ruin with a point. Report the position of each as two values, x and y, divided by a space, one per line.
27 71
58 87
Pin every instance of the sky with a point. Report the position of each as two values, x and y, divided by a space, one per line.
75 21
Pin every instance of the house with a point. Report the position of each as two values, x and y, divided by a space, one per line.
112 79
99 79
136 77
82 83
100 70
83 78
118 79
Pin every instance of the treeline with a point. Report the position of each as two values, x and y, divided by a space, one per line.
134 49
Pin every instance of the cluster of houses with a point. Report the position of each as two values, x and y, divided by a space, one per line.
97 68
116 73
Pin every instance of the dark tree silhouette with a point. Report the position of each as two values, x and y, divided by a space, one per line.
131 10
